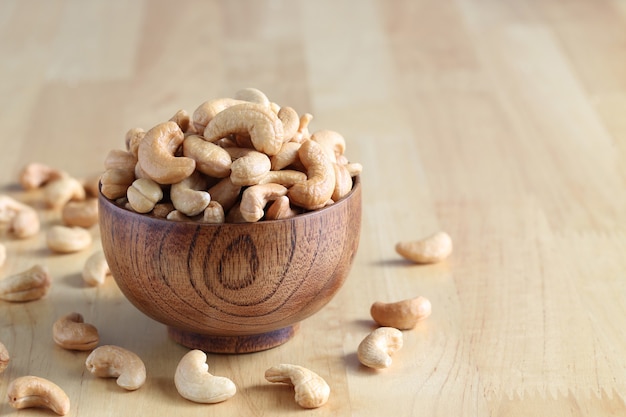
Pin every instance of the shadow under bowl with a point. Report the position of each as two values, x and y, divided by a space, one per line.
234 287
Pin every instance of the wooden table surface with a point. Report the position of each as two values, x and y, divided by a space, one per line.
500 122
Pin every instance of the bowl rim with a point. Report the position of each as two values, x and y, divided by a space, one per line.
311 213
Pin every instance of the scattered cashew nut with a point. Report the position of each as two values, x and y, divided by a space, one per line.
29 285
61 190
72 333
111 361
431 249
22 219
194 382
4 357
311 391
402 315
64 239
95 269
32 391
376 349
34 175
80 213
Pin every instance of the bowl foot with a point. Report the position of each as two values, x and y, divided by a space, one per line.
232 344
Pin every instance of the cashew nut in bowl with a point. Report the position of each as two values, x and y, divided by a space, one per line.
253 95
280 209
95 269
263 126
114 182
226 193
194 382
315 192
133 138
72 333
343 182
214 213
376 349
402 315
290 120
4 357
288 155
29 285
249 168
182 119
110 361
32 391
156 154
332 142
143 194
311 390
120 159
431 249
255 198
188 196
207 111
210 158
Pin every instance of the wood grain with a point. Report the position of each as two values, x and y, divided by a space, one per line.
500 122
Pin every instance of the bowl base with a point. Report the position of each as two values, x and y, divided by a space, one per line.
232 344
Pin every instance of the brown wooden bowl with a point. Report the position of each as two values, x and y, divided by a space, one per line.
231 288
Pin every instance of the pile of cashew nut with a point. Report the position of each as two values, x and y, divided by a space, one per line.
239 159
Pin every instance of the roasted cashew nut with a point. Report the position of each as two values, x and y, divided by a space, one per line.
376 349
32 391
260 123
431 249
214 213
343 182
72 333
402 315
110 361
132 139
255 198
315 192
194 382
189 197
311 391
30 285
156 154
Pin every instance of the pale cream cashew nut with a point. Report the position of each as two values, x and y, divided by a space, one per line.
156 154
376 349
286 177
61 190
288 155
403 315
207 111
226 193
29 285
114 182
22 219
189 197
72 333
80 213
120 159
255 198
311 390
253 95
111 361
343 182
249 168
32 391
34 175
315 192
210 158
132 139
194 382
290 120
260 123
95 269
214 213
431 249
64 239
143 194
182 119
332 142
280 209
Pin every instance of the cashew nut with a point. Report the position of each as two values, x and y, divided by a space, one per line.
156 154
32 391
120 159
22 219
133 138
376 349
263 126
320 184
143 194
210 158
311 390
194 382
250 168
332 142
114 182
288 155
431 249
252 95
214 213
72 333
343 182
161 210
286 177
226 193
80 213
189 197
4 357
280 209
29 285
303 129
207 111
255 198
290 120
95 269
61 190
64 239
35 174
111 361
402 315
182 119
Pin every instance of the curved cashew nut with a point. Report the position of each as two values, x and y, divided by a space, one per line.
288 155
263 126
303 128
286 177
63 239
249 168
252 95
255 198
4 357
120 159
311 390
156 154
80 213
280 209
210 158
133 138
189 197
110 361
343 182
226 193
194 382
402 315
318 188
32 391
182 119
207 111
431 249
376 349
32 284
22 219
290 120
332 142
72 333
35 175
59 191
143 194
114 182
95 269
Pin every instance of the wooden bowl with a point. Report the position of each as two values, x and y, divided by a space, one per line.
231 288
